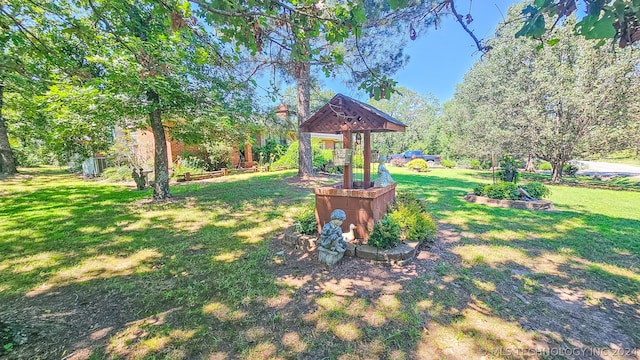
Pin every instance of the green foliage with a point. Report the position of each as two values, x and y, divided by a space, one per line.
385 234
569 169
617 20
536 189
509 169
448 163
418 164
118 173
410 214
270 147
562 119
475 164
479 190
545 166
189 163
501 190
218 155
290 158
420 113
305 222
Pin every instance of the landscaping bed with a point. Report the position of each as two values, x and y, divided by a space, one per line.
399 255
513 204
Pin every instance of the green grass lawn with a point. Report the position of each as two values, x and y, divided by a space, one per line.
95 270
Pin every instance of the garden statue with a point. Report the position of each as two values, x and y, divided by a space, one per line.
384 177
139 178
331 244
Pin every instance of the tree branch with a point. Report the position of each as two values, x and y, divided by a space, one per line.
481 48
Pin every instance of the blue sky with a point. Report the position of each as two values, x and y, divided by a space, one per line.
440 58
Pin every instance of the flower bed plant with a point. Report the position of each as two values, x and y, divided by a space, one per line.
415 223
418 164
504 190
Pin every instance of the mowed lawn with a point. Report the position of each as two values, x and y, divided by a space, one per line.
96 270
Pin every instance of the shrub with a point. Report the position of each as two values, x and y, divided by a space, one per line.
509 166
448 163
218 156
398 162
290 158
536 190
117 173
479 190
570 170
475 164
415 224
270 147
189 164
305 222
386 233
545 166
502 190
418 164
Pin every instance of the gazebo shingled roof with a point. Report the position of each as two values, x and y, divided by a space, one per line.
343 113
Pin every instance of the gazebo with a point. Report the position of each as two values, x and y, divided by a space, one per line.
363 203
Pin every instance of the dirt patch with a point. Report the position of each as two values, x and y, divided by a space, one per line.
66 321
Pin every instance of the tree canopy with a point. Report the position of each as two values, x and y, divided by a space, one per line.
555 103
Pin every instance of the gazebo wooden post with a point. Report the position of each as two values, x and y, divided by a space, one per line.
367 159
347 176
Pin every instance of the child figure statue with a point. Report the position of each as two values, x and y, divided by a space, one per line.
331 235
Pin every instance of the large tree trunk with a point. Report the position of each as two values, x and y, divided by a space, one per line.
303 76
530 167
7 161
556 172
161 162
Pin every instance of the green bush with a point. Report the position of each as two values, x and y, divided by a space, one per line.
475 164
290 158
479 190
448 163
545 166
570 170
415 224
502 190
386 233
218 156
536 190
270 147
189 164
305 222
117 173
509 166
418 164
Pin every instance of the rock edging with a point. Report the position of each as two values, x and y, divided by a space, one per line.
399 255
541 205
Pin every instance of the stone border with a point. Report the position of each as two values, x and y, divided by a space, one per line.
540 205
399 255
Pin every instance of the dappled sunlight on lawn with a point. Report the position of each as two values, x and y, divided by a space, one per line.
148 335
197 276
222 312
32 263
100 267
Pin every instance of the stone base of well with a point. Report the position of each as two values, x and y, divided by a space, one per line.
400 255
363 206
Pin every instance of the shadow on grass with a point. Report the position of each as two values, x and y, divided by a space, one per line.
194 277
540 269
